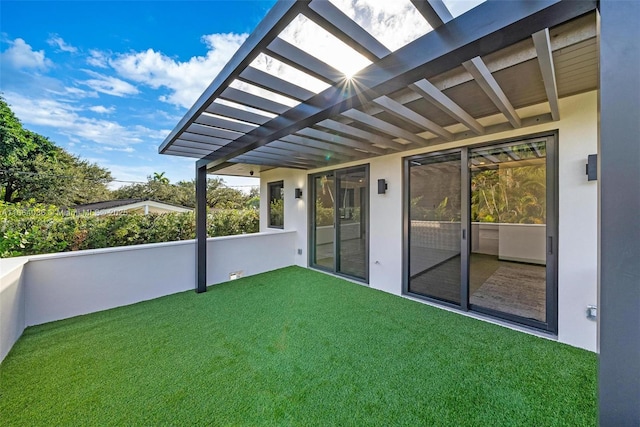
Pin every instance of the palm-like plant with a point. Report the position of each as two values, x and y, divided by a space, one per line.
159 177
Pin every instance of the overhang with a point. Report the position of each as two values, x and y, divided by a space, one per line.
279 103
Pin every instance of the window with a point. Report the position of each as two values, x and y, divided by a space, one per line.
276 204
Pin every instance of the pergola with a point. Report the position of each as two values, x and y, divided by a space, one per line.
485 71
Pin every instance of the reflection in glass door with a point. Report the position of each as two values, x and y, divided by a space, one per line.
352 223
505 195
323 221
434 226
507 265
339 222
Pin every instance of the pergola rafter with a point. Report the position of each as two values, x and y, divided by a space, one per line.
542 43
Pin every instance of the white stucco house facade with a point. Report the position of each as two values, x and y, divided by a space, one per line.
577 215
482 159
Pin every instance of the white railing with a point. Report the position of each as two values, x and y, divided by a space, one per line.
44 288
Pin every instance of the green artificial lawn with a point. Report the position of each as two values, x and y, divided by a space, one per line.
291 347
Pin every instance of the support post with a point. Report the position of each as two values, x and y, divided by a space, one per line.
619 204
201 228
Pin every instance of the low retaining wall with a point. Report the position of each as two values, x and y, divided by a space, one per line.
45 288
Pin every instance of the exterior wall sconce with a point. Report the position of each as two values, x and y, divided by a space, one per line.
592 167
382 186
298 193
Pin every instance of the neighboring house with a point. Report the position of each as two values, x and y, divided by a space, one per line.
142 206
456 169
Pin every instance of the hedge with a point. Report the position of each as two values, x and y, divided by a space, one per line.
31 229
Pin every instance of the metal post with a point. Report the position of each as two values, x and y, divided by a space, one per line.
619 205
201 229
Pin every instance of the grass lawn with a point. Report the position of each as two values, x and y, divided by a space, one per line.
291 347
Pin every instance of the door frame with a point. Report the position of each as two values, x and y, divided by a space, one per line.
336 218
552 163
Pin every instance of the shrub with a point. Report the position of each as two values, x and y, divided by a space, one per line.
30 229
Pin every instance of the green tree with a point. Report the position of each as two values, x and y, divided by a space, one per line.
219 196
33 167
155 189
63 179
253 199
159 177
183 193
510 195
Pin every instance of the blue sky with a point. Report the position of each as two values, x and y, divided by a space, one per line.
108 80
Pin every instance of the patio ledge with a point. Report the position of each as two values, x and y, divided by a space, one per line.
86 252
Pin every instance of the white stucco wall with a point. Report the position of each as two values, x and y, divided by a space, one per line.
577 257
64 285
578 222
45 288
295 210
12 307
523 243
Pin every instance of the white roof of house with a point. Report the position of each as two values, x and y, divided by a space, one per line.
126 205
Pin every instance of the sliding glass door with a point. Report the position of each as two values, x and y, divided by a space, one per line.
339 222
434 227
352 223
508 262
323 221
481 230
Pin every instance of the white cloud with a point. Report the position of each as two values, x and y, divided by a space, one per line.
185 80
98 59
394 23
101 109
109 85
161 116
102 149
57 41
20 55
458 7
156 134
310 37
73 92
79 92
66 119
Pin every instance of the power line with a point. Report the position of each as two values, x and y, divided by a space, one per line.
55 175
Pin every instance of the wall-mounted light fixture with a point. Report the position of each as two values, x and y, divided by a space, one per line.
298 193
382 186
592 167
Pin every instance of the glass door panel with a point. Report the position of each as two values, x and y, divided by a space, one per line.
352 228
323 221
435 184
507 264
